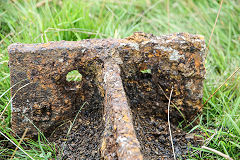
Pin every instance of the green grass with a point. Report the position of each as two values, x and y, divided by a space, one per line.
74 20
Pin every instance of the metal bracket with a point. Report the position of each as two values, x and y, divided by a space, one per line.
123 77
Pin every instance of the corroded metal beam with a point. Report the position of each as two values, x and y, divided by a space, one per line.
119 138
146 67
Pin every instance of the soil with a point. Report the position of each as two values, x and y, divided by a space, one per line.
152 132
85 137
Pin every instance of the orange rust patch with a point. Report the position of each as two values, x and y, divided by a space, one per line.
197 60
45 45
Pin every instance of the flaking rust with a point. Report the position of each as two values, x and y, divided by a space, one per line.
126 76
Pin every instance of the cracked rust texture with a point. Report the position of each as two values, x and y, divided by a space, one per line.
109 67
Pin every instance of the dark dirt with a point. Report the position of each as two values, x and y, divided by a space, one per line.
152 132
84 139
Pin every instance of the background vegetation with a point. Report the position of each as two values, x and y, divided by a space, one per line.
34 21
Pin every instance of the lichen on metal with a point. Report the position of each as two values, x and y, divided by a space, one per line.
109 67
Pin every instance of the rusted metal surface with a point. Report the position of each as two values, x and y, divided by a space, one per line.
147 66
119 138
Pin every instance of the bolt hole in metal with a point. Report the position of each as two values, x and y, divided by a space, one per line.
74 76
146 74
74 81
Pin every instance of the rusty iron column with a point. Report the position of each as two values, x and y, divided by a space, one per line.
119 138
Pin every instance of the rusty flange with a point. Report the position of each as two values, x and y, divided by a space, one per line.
146 67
